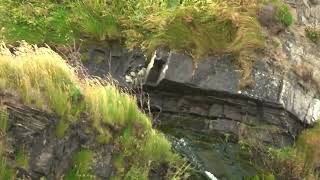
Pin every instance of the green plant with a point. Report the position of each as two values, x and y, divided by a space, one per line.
81 166
3 121
22 159
313 33
297 162
104 139
6 172
61 128
261 177
284 15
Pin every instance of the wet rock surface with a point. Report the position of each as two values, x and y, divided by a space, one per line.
226 160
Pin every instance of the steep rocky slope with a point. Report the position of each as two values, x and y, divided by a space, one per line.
267 101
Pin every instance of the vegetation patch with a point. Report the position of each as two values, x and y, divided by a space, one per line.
22 159
44 80
313 33
198 28
81 169
281 14
298 162
284 15
6 172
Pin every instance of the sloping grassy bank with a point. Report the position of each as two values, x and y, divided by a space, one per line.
198 28
43 79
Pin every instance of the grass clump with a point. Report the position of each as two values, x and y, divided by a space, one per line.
96 20
6 172
313 33
81 166
22 159
44 80
61 128
198 28
284 15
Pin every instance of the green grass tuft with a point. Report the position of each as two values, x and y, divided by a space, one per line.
96 19
61 128
3 121
82 162
22 159
6 172
284 15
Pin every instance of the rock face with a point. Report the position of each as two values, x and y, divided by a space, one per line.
207 98
220 75
115 62
308 11
48 156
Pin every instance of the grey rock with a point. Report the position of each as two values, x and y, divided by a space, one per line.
221 75
115 62
49 156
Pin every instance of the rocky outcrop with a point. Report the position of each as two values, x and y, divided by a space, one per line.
34 132
208 100
308 11
220 74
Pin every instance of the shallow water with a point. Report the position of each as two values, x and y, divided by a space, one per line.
224 159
